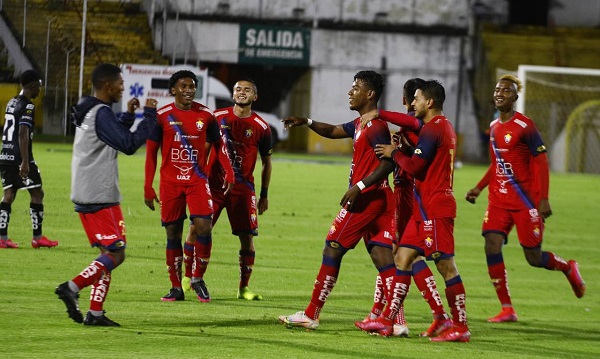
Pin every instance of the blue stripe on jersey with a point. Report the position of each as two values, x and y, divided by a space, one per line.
228 139
417 198
182 135
528 202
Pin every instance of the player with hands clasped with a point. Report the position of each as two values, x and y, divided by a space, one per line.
184 132
518 179
99 136
431 163
367 206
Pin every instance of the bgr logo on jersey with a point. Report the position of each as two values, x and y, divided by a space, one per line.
184 155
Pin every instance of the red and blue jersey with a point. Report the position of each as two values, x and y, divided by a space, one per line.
364 161
513 146
432 166
182 135
245 139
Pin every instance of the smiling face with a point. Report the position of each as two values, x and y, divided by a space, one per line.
114 89
420 104
505 95
244 93
359 95
184 92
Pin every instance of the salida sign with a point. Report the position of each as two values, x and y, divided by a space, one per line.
274 45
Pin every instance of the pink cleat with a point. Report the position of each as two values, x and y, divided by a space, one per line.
454 334
379 326
43 242
8 244
437 327
507 314
575 279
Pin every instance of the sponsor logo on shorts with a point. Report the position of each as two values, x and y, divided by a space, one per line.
428 242
104 237
537 232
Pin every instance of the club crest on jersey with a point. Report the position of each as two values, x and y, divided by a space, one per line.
199 125
248 132
507 137
537 232
428 242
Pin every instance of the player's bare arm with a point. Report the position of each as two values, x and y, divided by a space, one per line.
323 129
381 172
474 192
24 149
263 201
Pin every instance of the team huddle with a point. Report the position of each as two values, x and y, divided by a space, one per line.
208 159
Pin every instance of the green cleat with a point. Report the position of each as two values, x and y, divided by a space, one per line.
246 293
186 284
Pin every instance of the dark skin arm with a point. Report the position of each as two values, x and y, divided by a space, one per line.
24 149
381 172
323 129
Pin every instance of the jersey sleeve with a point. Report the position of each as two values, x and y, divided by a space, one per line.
265 145
349 128
213 133
533 139
379 134
27 115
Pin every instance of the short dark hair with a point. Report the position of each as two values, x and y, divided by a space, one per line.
373 79
410 86
29 76
248 79
434 90
104 73
182 74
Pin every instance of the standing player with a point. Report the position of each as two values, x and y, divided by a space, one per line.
95 186
406 230
367 207
518 179
432 166
246 136
184 131
17 166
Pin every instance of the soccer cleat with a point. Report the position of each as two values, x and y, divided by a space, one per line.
507 314
43 242
201 291
299 319
100 321
186 284
173 295
453 334
379 326
246 293
437 327
71 300
8 244
400 330
575 279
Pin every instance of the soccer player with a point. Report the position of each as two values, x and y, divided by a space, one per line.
518 179
17 166
367 207
99 136
247 135
185 129
431 164
406 231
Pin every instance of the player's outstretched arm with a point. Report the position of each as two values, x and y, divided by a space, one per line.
321 128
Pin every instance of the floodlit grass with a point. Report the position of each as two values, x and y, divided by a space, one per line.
304 196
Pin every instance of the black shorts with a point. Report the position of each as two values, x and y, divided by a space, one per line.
11 178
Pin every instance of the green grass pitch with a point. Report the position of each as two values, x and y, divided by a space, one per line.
303 201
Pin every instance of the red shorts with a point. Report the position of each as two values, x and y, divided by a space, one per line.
173 200
434 240
105 228
404 208
530 227
241 210
410 237
349 228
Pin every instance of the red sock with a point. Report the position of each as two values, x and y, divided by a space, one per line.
455 293
246 259
92 273
399 319
398 289
425 281
553 262
378 297
499 278
324 284
174 254
188 258
99 291
203 247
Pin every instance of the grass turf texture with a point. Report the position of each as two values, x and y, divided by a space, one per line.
303 201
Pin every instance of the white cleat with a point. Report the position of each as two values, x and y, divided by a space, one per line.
299 319
400 330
